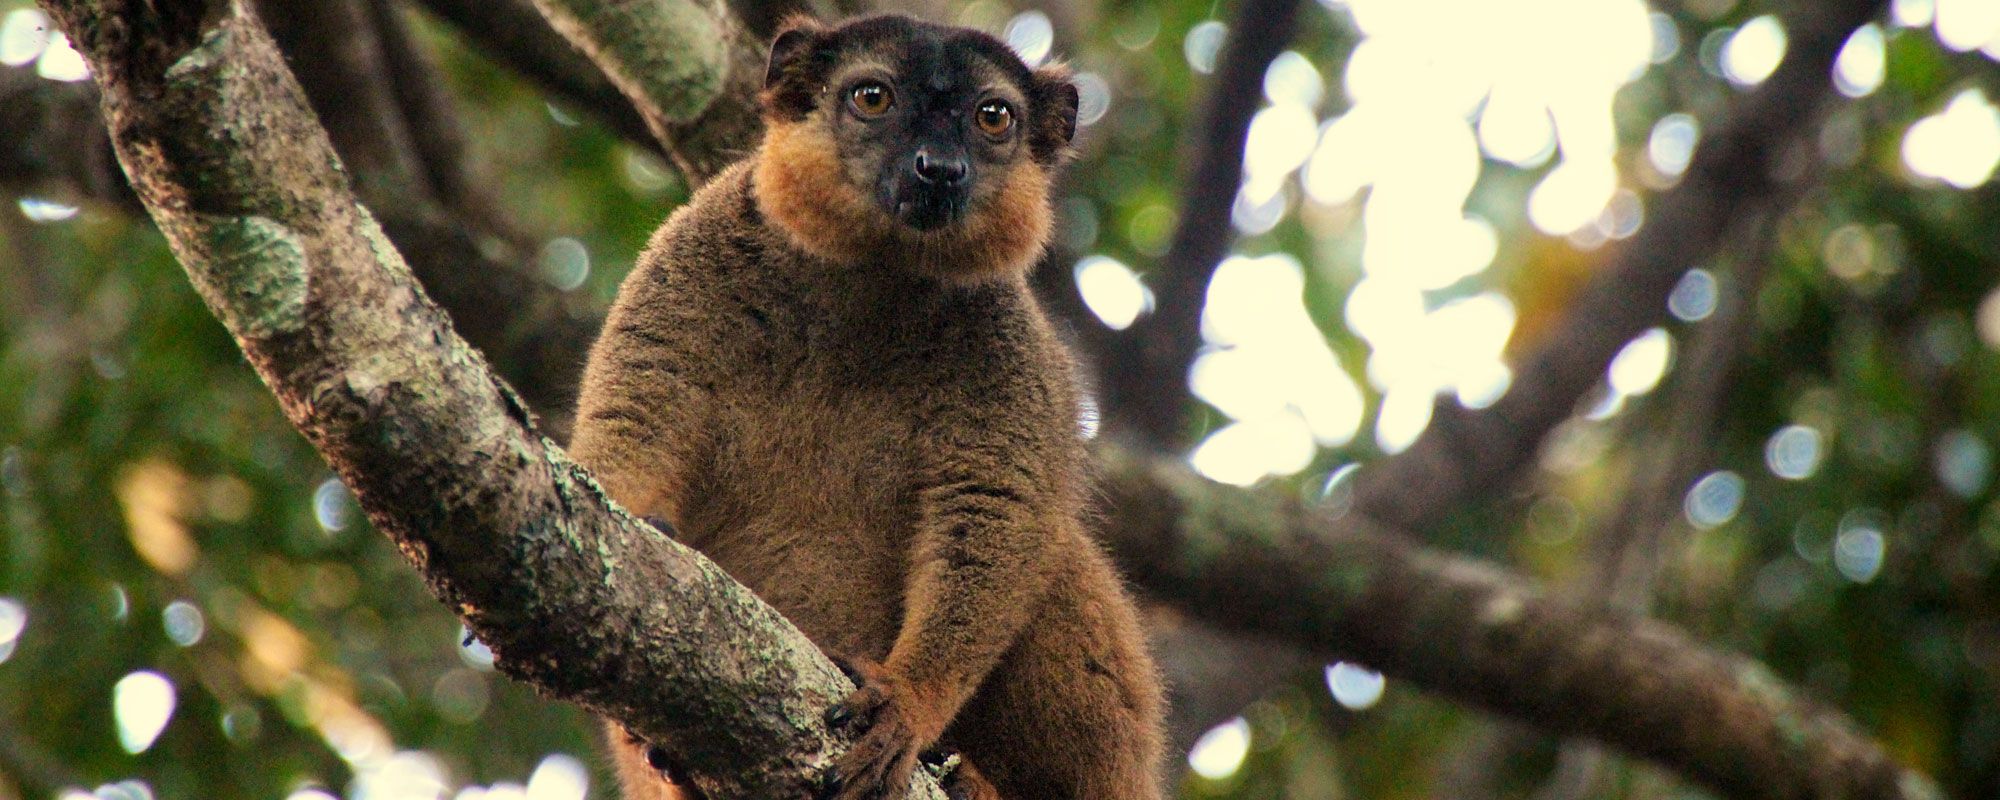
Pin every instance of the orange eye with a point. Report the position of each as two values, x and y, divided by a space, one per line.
994 117
872 99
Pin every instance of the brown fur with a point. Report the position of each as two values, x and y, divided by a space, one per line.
878 433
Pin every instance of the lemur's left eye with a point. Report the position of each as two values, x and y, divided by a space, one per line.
994 117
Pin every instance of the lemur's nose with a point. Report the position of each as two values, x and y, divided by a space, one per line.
943 170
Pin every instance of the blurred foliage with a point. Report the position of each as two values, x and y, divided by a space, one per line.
142 465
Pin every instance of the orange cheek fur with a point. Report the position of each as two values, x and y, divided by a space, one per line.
802 186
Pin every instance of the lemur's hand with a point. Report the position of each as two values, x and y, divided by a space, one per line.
882 760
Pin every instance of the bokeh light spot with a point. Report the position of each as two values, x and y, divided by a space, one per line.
1753 53
559 777
1959 145
1794 452
1293 80
39 210
1642 363
1862 62
13 620
1355 687
473 652
1093 98
142 703
1714 500
1031 35
1219 753
183 623
1963 460
61 62
1967 24
333 506
565 263
1858 553
1695 296
1203 42
1112 291
24 33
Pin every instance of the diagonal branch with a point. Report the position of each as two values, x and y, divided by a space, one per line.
1464 455
1266 563
573 595
1143 374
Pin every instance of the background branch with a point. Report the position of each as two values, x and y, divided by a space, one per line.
1143 373
1265 563
1735 174
515 34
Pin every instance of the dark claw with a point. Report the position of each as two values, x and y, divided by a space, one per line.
829 783
662 524
936 756
838 716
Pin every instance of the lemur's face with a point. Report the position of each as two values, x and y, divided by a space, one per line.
931 124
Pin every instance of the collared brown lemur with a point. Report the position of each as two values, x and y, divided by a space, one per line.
827 373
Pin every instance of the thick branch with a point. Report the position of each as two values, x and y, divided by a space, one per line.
573 595
1268 564
1144 373
1465 454
687 65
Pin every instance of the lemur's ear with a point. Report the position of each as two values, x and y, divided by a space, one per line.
1055 117
795 37
785 92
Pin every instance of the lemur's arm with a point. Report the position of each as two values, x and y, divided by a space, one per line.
991 488
979 564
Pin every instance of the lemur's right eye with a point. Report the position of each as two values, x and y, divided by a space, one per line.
871 99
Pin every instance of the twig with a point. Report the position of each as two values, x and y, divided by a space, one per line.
1143 374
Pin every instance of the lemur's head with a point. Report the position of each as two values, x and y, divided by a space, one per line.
925 146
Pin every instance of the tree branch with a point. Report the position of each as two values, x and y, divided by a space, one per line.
1143 374
514 33
55 142
573 595
1465 454
1264 562
426 108
686 65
